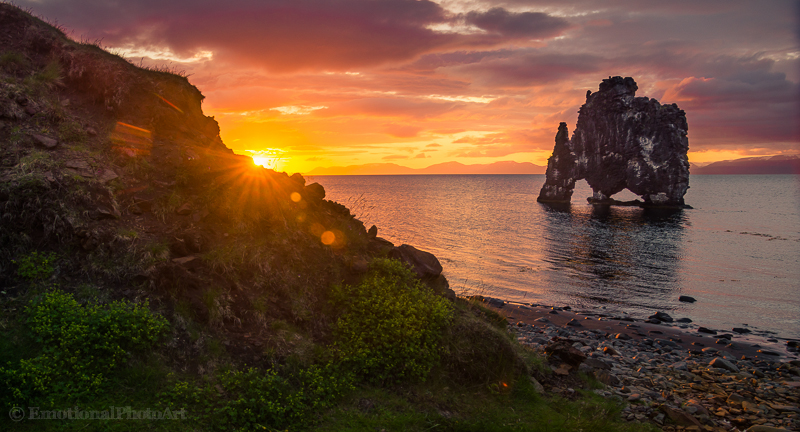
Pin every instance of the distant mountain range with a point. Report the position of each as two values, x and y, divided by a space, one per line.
504 167
752 165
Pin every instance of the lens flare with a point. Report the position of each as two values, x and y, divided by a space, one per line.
295 197
328 238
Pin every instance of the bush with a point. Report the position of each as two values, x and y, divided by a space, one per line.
36 266
391 324
254 398
79 345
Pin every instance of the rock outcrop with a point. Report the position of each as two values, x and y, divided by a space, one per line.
621 142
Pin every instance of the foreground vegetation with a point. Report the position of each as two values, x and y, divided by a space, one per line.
146 271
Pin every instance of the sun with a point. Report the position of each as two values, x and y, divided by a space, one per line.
268 158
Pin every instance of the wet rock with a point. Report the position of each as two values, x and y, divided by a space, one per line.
574 323
621 142
740 330
687 299
661 316
706 330
683 320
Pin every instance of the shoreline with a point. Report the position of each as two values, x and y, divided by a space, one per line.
739 344
673 377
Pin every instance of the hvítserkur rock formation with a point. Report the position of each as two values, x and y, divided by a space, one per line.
620 142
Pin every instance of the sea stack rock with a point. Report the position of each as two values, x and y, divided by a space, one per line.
621 141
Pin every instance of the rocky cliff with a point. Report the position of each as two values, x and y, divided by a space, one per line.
621 142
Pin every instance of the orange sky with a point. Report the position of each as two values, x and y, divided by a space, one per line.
305 84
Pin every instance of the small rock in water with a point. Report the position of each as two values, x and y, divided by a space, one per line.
683 320
574 323
688 299
741 330
706 330
661 316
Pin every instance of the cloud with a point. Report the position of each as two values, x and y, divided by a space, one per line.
433 145
528 25
420 156
402 131
530 68
394 157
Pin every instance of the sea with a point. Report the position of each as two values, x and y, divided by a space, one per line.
737 251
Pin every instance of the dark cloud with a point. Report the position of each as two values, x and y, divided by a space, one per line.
530 69
749 106
529 25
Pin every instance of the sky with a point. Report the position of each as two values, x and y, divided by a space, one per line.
309 83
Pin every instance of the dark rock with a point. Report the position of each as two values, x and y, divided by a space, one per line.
495 302
740 330
683 320
721 363
610 351
314 192
45 142
596 364
706 330
298 178
620 142
373 232
574 323
424 264
566 353
622 336
680 417
687 299
606 378
725 336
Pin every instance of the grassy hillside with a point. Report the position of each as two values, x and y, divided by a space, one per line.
146 271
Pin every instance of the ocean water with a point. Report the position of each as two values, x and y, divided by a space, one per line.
737 252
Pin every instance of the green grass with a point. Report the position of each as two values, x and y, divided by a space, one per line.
438 407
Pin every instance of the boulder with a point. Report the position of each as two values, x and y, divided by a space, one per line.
45 142
621 142
566 353
424 264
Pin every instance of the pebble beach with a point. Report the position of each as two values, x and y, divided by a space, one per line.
676 375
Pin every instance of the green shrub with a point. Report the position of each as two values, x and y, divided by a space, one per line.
253 398
79 345
391 324
36 266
